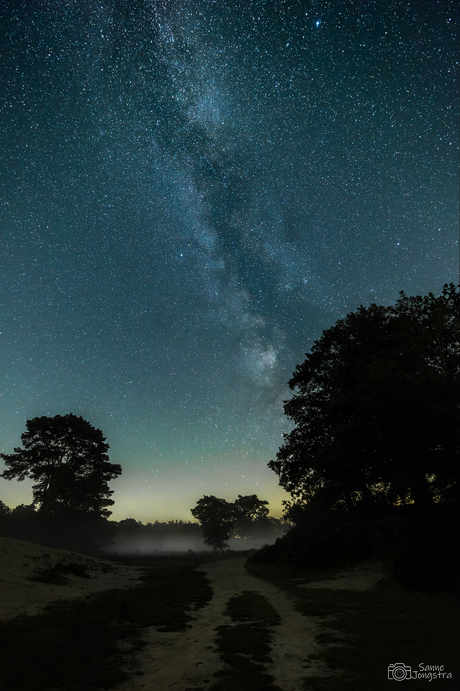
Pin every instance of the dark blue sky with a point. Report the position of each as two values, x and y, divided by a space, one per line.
191 193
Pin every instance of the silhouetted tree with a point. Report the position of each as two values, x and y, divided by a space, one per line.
22 523
67 459
5 511
130 525
216 518
377 407
249 512
243 518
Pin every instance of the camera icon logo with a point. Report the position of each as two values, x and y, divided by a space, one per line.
398 671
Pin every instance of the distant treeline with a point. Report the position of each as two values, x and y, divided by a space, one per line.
88 532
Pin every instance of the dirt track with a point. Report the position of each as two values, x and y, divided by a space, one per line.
179 660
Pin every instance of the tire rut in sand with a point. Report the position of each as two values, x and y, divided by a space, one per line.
175 661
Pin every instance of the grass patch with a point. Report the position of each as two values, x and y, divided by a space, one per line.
88 645
54 574
253 607
245 647
369 630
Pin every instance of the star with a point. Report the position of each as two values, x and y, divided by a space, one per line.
187 212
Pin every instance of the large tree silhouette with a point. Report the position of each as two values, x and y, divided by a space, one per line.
221 519
66 457
216 518
376 407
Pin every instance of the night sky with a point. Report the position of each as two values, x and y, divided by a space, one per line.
192 192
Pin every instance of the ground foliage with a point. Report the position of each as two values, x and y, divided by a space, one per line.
245 644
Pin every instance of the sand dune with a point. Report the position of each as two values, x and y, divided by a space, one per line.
20 560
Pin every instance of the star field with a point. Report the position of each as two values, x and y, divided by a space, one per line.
191 192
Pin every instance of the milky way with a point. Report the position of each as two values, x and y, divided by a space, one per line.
191 193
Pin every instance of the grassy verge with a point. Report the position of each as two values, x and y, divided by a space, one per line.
84 645
245 647
372 629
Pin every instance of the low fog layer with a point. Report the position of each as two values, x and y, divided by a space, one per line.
146 545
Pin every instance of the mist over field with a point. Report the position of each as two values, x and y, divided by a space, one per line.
145 545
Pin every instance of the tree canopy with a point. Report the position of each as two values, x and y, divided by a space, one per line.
376 408
216 518
67 459
248 511
220 518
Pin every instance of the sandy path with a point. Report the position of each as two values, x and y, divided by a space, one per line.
180 660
